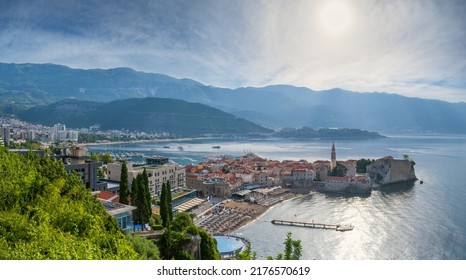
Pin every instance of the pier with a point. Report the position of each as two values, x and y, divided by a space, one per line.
336 227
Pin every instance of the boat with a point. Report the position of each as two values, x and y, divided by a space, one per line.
216 147
166 147
180 148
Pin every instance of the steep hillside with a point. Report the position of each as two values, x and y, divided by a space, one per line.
143 114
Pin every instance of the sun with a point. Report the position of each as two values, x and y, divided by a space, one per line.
335 17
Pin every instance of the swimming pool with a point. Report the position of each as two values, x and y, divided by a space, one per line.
227 245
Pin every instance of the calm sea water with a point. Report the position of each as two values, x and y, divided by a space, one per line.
421 221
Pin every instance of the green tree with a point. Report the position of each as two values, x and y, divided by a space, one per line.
134 199
169 201
46 213
339 170
94 156
293 249
105 158
406 157
142 214
100 173
164 205
209 249
246 254
124 184
361 165
147 196
182 237
146 248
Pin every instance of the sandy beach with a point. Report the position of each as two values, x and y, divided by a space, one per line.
231 215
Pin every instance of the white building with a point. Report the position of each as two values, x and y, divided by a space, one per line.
73 135
58 132
303 174
157 174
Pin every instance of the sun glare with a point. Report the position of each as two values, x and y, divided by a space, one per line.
335 17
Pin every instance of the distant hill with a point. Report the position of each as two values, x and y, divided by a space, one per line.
327 133
23 85
148 114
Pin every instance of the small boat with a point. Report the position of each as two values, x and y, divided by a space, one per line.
216 147
166 147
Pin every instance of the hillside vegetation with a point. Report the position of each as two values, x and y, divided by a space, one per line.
46 213
143 114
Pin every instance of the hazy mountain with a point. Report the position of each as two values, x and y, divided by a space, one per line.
148 114
272 106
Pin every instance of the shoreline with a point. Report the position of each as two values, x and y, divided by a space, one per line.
267 210
139 141
235 215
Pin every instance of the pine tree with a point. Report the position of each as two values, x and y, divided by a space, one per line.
124 184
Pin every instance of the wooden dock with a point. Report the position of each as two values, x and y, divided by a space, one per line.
336 227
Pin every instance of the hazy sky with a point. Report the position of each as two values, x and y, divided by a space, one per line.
414 48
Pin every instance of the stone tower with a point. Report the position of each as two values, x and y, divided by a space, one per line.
333 157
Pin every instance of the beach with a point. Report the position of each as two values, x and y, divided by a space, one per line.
231 215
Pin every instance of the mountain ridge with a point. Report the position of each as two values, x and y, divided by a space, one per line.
274 106
148 114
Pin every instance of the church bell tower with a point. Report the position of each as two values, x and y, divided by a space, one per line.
333 157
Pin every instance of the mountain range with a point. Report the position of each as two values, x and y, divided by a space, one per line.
26 85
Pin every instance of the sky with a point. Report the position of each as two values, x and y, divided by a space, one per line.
415 48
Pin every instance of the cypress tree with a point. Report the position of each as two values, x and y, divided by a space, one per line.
163 205
169 201
147 197
141 203
124 184
134 199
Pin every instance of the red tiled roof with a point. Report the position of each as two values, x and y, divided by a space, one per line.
109 196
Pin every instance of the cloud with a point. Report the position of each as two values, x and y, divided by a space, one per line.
415 48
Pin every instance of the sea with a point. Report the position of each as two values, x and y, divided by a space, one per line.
406 221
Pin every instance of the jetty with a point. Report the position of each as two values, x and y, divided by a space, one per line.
337 227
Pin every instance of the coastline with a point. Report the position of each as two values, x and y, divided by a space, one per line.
139 141
234 215
267 210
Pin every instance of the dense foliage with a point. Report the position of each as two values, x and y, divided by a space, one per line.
29 144
103 157
146 248
46 213
149 114
339 170
362 164
182 240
